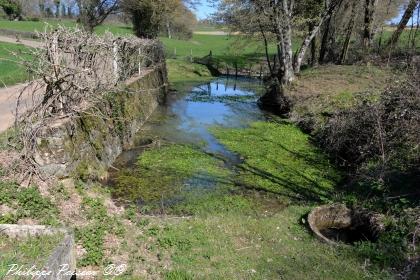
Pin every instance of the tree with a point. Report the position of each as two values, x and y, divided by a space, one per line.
93 12
12 8
178 20
408 13
145 17
57 8
276 21
150 17
348 32
367 35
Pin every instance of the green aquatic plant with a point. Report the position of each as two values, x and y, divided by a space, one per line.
163 172
279 158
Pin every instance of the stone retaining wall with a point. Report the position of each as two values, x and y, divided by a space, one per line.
86 147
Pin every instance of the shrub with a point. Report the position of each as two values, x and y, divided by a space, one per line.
381 136
12 8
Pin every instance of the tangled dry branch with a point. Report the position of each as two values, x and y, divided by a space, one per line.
73 71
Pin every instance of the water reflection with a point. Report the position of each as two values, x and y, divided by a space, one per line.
187 117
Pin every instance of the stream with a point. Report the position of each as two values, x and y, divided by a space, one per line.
188 115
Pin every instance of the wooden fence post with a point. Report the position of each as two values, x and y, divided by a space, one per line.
115 60
139 61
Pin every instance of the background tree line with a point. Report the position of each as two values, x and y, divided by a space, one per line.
150 18
324 30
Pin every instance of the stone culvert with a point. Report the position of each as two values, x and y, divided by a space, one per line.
337 223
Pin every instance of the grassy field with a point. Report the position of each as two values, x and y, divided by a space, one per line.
10 71
200 45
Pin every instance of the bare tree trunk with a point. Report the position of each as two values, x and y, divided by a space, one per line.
370 7
313 60
287 50
305 44
403 23
349 31
168 29
324 41
267 56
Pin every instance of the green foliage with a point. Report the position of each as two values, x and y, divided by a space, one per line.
131 213
33 205
28 203
145 17
389 251
12 8
94 209
8 192
92 238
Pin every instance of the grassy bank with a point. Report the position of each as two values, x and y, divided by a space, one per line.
259 234
33 26
181 72
10 71
322 90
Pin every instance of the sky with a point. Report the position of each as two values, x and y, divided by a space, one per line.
205 9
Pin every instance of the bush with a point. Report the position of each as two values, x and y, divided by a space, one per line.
145 23
12 8
381 136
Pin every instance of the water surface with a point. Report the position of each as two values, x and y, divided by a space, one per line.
187 116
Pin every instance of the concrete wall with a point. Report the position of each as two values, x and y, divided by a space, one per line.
87 146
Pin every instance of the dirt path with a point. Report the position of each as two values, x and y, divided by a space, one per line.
9 95
8 101
29 43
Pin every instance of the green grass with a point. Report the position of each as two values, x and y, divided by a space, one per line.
228 49
271 246
208 27
26 252
181 72
10 71
404 42
280 159
236 233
